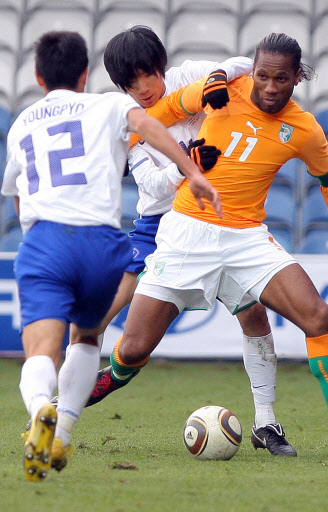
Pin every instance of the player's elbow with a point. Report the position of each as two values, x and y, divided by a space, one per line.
138 121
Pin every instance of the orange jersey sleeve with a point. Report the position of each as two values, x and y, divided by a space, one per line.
177 105
254 146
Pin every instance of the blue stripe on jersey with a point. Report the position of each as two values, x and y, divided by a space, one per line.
139 163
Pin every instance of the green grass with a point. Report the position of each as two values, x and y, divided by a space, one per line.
140 428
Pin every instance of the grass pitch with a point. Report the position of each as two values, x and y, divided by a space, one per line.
130 455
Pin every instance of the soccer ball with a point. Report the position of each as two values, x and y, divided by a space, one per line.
212 433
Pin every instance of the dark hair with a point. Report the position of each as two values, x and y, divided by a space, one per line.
61 58
134 51
285 45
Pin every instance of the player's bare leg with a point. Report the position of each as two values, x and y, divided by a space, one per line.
141 338
292 294
122 298
254 321
133 350
109 379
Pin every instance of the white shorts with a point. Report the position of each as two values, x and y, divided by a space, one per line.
196 262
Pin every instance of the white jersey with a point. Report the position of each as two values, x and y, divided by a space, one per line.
66 158
156 175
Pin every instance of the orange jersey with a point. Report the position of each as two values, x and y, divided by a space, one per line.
254 146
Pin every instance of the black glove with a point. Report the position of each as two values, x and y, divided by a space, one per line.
204 156
215 91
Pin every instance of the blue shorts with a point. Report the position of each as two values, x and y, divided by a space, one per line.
143 241
70 273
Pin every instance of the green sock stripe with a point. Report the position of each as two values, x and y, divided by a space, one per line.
123 379
122 370
319 368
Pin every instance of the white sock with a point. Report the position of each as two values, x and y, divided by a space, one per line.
76 380
100 340
37 383
260 363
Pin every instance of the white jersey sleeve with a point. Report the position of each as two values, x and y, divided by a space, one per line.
235 67
190 71
9 187
161 183
66 157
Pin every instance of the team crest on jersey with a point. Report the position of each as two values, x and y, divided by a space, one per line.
159 268
286 132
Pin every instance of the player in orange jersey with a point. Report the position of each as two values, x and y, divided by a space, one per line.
135 60
200 256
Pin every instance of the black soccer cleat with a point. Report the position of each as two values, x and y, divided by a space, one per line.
272 437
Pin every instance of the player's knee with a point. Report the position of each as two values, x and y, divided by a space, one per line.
317 321
132 352
254 317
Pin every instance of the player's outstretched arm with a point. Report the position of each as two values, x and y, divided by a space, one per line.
157 136
179 104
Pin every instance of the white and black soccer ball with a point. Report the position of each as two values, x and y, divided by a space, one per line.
212 433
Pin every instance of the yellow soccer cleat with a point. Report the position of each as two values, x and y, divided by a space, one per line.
38 444
60 454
